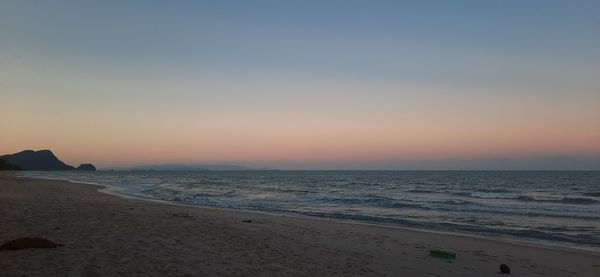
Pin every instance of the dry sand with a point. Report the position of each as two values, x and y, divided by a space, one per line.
108 235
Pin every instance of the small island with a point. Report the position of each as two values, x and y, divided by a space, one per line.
86 167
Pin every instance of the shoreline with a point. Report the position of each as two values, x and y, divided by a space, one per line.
111 234
108 189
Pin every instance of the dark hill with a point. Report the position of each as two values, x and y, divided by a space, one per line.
36 160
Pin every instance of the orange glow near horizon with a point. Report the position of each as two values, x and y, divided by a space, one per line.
273 140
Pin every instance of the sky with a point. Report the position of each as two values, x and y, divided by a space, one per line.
304 84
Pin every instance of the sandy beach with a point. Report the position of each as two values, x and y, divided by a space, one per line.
108 235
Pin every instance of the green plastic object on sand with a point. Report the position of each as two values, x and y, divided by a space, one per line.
442 254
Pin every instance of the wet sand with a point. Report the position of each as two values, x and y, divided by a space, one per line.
108 235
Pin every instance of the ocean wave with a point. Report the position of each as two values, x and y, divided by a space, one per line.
564 200
527 198
460 202
461 193
422 191
462 206
578 200
459 205
558 235
493 190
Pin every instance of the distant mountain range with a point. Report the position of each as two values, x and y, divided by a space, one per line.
37 160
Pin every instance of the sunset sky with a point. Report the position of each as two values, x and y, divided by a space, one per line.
304 84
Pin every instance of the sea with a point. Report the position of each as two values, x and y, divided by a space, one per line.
555 208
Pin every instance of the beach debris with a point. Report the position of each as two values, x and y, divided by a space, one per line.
442 254
247 220
504 269
24 243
